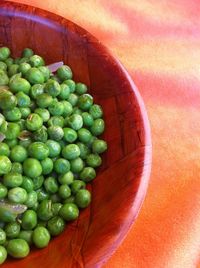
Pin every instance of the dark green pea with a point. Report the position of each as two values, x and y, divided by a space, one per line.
77 185
32 168
31 200
12 180
13 69
51 185
44 210
55 133
37 182
40 135
77 165
93 160
70 135
19 84
18 248
84 150
64 191
73 99
9 61
45 71
55 78
61 166
27 184
56 108
52 87
36 90
99 146
11 143
3 191
56 121
36 61
33 105
17 195
75 121
68 109
27 52
98 127
84 135
66 178
41 237
4 53
56 225
96 111
35 76
69 212
3 66
70 199
64 72
12 115
12 230
24 67
35 206
4 149
71 151
34 122
18 154
22 124
55 198
17 60
5 165
7 100
29 219
71 84
56 208
83 198
43 113
42 223
64 92
25 143
26 235
87 119
85 101
25 111
47 166
44 100
38 150
81 88
2 237
17 168
88 174
23 100
54 148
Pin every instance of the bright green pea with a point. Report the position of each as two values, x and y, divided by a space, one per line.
56 108
12 131
43 113
71 84
81 88
61 166
45 71
12 229
64 191
52 87
4 53
55 133
66 178
88 174
64 92
13 69
99 146
3 254
19 84
26 235
32 168
75 121
7 100
73 99
47 166
27 184
5 165
25 111
12 115
18 248
23 100
17 195
76 165
44 210
64 72
3 66
31 199
83 198
38 150
33 122
4 149
12 180
36 61
41 135
44 100
84 135
68 109
93 160
41 237
71 151
69 212
87 119
85 101
3 191
56 121
35 76
2 236
29 219
27 52
36 90
98 127
56 225
77 185
18 154
70 135
24 67
54 148
51 185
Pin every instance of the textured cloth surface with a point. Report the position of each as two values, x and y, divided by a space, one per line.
158 41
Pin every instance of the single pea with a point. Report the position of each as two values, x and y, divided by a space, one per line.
2 237
64 92
32 168
26 235
71 151
13 69
12 180
76 165
33 105
45 71
73 99
7 100
93 160
19 84
47 166
81 88
52 87
56 121
12 230
68 109
96 111
56 108
88 174
70 199
54 148
55 133
41 237
61 166
18 154
12 115
44 210
25 111
99 146
43 113
64 191
70 135
35 206
40 135
33 122
23 100
56 225
29 219
69 212
75 121
4 53
98 127
16 168
5 165
77 185
66 178
42 194
84 135
4 149
36 61
3 66
27 52
27 184
3 191
37 182
31 199
36 90
11 143
4 80
87 119
24 67
64 72
9 61
3 254
25 143
18 248
44 100
83 198
71 84
56 208
35 76
12 131
38 150
84 150
17 195
76 110
51 185
85 101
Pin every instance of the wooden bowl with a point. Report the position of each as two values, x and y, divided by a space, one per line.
121 184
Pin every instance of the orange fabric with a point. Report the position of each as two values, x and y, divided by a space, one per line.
159 44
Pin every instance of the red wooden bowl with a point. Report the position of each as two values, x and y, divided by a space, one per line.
121 184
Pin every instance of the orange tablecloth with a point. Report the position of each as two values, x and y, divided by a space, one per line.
158 41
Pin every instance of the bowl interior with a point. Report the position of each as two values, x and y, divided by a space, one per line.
122 180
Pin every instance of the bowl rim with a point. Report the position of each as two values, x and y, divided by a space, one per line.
139 197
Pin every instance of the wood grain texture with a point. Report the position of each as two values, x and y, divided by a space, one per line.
120 187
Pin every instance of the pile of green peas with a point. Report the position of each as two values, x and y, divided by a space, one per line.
50 148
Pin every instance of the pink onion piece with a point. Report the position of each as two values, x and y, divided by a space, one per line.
54 66
14 208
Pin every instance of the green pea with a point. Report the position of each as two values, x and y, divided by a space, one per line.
56 121
61 166
51 185
98 127
19 84
76 110
3 66
36 61
56 225
75 121
64 191
3 254
3 191
81 88
71 151
73 99
69 212
27 184
55 133
88 174
12 115
85 101
4 53
70 199
66 178
77 165
54 148
99 146
70 135
25 143
41 237
68 109
56 208
77 185
83 198
84 135
44 100
25 111
55 78
45 71
64 72
31 199
26 235
41 134
18 153
34 122
52 87
12 131
13 69
47 166
36 90
35 76
42 223
5 165
87 119
32 168
17 195
38 150
24 67
12 179
56 108
12 230
27 52
4 80
43 113
2 237
55 198
4 149
44 210
18 248
93 160
9 61
29 219
37 182
64 92
84 150
23 100
11 143
71 84
7 100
